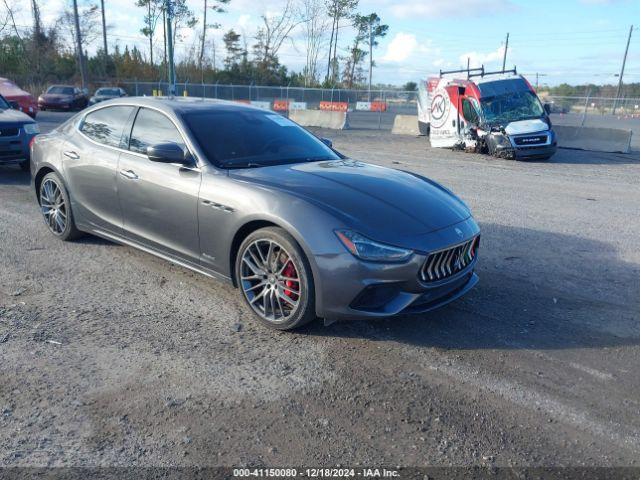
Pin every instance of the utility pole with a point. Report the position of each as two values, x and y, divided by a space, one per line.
370 57
79 44
506 47
37 32
172 72
624 61
104 37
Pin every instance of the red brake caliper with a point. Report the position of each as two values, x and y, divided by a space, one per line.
290 271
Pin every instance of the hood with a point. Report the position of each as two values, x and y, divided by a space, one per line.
16 117
19 97
526 126
379 202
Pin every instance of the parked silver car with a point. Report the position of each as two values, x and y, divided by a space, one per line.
248 196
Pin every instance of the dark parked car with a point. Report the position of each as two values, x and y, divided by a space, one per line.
248 196
62 97
107 93
17 130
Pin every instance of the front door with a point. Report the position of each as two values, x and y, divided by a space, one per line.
159 201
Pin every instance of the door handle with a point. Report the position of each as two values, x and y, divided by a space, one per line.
71 154
130 174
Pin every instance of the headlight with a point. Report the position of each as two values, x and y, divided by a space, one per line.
31 128
502 140
366 249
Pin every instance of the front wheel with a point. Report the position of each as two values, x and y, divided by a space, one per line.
56 208
275 278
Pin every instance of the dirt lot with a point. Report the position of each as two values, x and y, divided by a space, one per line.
110 356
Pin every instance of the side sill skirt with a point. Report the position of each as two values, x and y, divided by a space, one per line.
169 258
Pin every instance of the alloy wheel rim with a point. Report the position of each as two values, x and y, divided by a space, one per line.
270 280
53 206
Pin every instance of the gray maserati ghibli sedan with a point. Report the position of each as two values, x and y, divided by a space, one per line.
249 197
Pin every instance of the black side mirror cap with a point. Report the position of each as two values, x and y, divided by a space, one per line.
14 105
327 142
547 108
169 153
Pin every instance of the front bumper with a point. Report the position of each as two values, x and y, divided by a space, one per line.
510 148
350 289
15 148
54 106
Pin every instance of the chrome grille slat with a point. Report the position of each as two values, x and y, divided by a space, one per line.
448 262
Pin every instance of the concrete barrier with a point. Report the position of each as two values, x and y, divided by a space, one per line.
320 118
405 125
594 139
261 104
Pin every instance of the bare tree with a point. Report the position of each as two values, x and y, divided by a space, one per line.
11 19
217 7
337 10
154 12
316 26
274 31
89 19
182 17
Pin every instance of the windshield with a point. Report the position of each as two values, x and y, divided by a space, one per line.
4 105
114 92
61 90
510 107
250 138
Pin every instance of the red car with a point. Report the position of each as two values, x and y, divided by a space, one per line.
14 94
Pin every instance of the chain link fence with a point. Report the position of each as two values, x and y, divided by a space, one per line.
388 102
599 106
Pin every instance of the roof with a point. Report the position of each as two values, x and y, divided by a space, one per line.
185 104
494 77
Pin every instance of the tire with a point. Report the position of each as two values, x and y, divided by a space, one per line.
275 279
56 208
25 166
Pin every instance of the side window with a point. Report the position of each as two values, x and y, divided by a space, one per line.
469 112
150 128
106 124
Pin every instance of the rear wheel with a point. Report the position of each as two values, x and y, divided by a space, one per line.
56 208
275 278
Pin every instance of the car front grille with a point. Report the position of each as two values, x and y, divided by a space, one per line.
532 140
446 263
9 131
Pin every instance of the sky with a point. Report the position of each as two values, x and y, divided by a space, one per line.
572 41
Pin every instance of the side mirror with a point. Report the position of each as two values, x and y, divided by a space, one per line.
547 108
168 153
327 142
14 105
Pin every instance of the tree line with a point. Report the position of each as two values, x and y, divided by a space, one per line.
336 41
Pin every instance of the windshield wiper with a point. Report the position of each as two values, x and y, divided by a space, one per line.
244 165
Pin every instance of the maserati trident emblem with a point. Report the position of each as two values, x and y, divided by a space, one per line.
459 232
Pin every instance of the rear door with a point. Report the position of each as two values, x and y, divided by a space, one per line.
159 201
445 117
90 162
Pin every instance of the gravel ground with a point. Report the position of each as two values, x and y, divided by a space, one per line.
112 357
